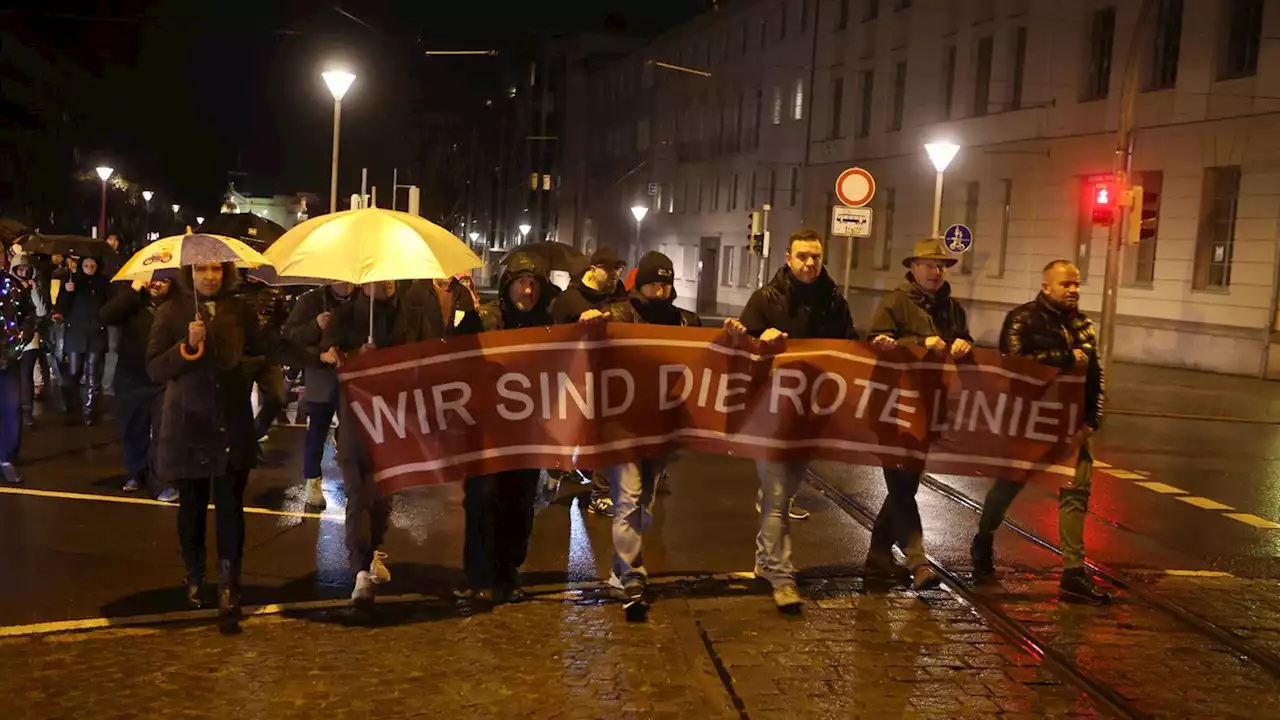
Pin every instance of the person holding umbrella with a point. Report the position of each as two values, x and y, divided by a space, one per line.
85 340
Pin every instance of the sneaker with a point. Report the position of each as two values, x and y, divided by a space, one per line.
983 555
880 566
615 582
601 506
378 568
9 474
364 592
798 513
787 598
315 494
168 495
635 606
1076 586
924 578
132 485
510 594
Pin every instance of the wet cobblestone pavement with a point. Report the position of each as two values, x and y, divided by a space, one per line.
1247 608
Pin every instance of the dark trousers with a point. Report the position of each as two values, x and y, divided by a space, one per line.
899 519
319 420
270 381
499 517
368 512
10 416
82 369
137 414
227 492
27 378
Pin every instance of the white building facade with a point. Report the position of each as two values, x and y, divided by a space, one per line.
802 89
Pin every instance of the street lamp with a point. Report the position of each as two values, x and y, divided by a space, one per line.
147 195
475 237
199 221
146 201
339 81
639 211
176 207
524 231
940 154
104 172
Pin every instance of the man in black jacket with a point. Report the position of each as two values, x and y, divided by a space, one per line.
499 507
801 301
131 311
919 312
1052 330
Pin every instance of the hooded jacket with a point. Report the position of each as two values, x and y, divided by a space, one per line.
817 310
578 298
639 309
302 339
134 311
80 309
1049 335
502 314
910 315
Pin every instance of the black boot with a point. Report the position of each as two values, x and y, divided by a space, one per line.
228 597
983 555
195 584
1076 586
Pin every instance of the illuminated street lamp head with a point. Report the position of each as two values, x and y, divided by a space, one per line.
339 81
475 236
199 220
104 172
639 211
524 229
176 207
147 195
941 154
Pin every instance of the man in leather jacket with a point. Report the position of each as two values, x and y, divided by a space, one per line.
1052 330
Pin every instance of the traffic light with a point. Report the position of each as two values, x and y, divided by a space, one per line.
755 237
1104 203
1145 215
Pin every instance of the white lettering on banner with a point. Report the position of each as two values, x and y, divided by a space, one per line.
705 388
993 418
724 392
586 403
442 405
545 385
869 386
792 393
381 410
1075 418
505 391
420 403
942 412
607 409
1017 415
1035 419
964 400
842 390
893 404
664 387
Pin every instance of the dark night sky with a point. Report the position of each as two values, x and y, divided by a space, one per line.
184 90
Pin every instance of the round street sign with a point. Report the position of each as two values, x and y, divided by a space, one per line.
855 187
958 239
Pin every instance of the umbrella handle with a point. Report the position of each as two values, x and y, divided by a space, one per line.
199 353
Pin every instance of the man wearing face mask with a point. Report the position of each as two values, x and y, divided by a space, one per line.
802 301
85 340
499 507
1052 330
919 312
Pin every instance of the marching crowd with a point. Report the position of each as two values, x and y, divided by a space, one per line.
190 350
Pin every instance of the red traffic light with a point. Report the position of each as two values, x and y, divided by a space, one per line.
1103 204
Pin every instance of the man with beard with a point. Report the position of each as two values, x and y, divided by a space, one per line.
919 312
632 485
802 301
1052 330
138 399
587 299
499 507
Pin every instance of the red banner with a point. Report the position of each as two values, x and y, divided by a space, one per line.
589 397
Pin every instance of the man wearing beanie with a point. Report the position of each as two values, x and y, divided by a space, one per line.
499 507
632 485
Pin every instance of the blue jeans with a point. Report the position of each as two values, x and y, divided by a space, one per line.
319 419
632 487
10 419
778 485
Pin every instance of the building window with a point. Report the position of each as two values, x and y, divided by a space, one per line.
764 34
1215 242
773 186
886 228
842 14
782 22
733 192
899 95
797 100
948 81
795 186
1084 228
744 267
837 106
1102 35
982 79
1244 33
868 92
1144 265
776 115
1019 68
759 115
1006 218
971 190
872 11
1165 46
726 266
684 195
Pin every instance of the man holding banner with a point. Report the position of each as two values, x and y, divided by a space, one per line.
802 301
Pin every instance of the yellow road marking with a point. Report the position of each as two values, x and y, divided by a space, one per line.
1254 520
1100 464
1125 475
1205 503
32 492
1199 573
1162 488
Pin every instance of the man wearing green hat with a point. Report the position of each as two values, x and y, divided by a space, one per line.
919 312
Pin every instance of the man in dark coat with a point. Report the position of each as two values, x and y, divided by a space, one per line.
17 329
801 301
138 399
85 339
206 445
499 507
302 335
1052 330
918 312
266 372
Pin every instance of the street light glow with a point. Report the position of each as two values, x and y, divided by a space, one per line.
524 229
941 154
475 236
104 172
175 208
639 211
147 195
199 220
339 81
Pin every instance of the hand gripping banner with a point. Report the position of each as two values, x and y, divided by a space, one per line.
593 396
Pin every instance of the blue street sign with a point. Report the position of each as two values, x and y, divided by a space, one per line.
958 239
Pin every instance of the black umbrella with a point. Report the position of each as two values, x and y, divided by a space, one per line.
67 245
258 232
557 256
10 229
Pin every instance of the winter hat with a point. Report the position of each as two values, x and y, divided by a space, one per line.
606 258
655 267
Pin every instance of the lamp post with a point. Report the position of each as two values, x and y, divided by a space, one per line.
638 211
524 231
940 154
104 172
475 237
146 224
339 81
199 221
